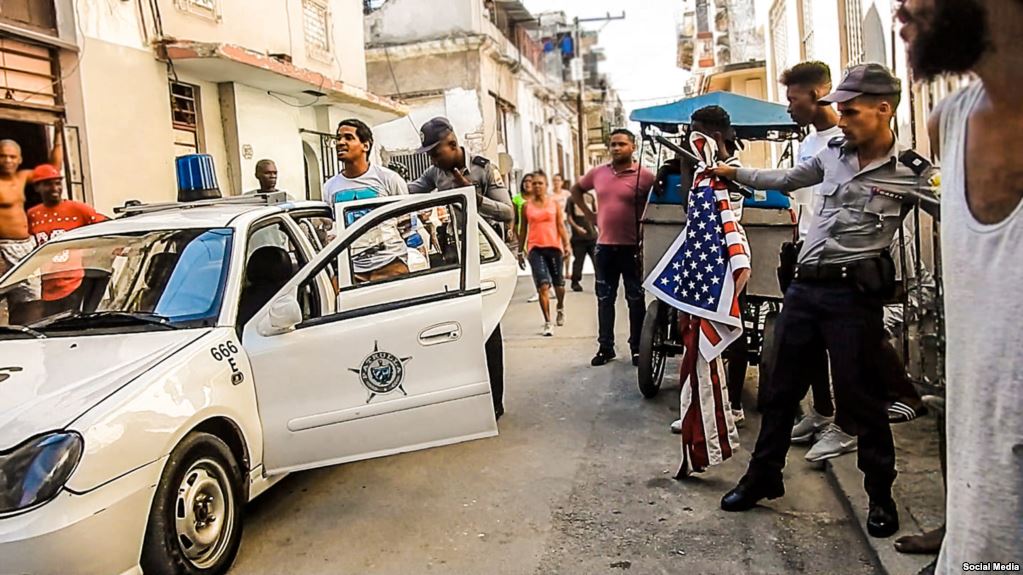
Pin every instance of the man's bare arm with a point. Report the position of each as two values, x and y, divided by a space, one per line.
579 199
934 128
57 153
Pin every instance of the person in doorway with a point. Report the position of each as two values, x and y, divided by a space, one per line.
621 188
978 133
62 280
840 283
560 192
453 168
383 253
584 238
15 239
543 229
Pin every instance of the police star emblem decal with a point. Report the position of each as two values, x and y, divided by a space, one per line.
381 373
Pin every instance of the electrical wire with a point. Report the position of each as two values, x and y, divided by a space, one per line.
397 89
275 96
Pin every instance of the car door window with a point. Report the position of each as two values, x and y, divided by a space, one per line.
488 250
408 255
272 258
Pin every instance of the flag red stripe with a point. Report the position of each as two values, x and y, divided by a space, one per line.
694 440
730 227
736 250
719 413
735 308
709 332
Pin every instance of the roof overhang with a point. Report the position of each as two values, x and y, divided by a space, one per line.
218 62
519 14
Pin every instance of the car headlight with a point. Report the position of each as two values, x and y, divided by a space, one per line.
35 471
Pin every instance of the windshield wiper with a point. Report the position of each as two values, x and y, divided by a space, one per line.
22 330
143 317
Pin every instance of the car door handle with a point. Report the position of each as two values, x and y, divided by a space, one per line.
488 287
443 333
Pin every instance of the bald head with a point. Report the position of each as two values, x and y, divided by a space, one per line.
10 157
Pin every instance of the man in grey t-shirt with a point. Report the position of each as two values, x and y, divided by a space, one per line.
380 253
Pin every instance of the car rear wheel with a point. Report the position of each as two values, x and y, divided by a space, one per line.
195 524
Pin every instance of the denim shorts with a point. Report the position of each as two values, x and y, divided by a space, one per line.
548 265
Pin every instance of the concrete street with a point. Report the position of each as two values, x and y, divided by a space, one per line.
578 482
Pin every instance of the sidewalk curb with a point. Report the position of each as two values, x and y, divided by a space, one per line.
847 480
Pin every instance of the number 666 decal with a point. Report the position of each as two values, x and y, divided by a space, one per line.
226 352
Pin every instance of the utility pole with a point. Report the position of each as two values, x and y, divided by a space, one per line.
581 114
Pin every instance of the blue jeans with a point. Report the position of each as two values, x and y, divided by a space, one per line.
614 265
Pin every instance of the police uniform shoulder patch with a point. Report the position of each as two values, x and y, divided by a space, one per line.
914 161
836 142
480 161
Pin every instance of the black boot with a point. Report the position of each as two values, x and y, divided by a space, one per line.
882 519
748 492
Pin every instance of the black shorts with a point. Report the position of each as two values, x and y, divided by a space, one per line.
548 265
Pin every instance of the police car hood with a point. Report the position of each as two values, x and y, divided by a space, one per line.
45 384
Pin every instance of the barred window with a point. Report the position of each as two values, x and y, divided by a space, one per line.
206 8
186 119
316 21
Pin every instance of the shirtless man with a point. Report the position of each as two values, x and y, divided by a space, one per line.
15 241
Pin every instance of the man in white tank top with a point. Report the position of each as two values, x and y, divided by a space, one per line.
978 133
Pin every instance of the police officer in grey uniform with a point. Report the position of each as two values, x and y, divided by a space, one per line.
452 169
843 274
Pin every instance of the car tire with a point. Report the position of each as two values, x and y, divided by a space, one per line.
195 523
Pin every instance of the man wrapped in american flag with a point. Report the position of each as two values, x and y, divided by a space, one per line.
701 275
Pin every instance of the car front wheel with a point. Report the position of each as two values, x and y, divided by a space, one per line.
195 524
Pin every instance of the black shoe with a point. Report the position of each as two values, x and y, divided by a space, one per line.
576 286
498 412
603 356
635 359
882 519
748 492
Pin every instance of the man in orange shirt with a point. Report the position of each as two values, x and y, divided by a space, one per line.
50 220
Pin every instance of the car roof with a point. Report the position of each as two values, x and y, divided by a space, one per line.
185 216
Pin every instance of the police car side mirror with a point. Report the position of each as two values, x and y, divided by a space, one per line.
285 314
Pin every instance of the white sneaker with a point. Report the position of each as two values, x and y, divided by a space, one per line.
561 316
739 417
548 330
533 298
676 426
833 442
804 431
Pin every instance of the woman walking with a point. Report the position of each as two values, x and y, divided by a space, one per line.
543 230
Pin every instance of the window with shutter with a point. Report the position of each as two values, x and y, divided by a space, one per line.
316 18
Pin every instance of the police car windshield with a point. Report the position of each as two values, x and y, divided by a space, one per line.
112 281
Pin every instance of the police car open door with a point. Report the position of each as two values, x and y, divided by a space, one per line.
398 364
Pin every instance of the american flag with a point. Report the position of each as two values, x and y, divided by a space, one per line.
697 276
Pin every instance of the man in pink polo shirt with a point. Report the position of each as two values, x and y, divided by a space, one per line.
621 189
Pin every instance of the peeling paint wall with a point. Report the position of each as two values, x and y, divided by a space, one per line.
401 21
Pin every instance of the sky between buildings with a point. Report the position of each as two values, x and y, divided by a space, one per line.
641 50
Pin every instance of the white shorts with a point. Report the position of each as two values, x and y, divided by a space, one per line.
11 253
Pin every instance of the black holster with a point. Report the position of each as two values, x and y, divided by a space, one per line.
787 263
875 277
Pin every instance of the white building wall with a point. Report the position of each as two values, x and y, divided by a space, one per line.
461 107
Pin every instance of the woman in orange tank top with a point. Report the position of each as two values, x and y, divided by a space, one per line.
543 230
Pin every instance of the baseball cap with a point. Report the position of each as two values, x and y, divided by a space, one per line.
873 79
44 172
433 132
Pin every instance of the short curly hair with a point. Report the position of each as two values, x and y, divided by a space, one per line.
714 117
812 73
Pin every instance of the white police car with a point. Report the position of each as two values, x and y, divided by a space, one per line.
187 356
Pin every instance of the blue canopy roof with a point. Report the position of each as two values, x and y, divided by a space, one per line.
756 116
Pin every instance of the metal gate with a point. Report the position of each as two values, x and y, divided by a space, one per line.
329 164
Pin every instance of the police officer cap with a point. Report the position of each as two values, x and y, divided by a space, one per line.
433 133
871 79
